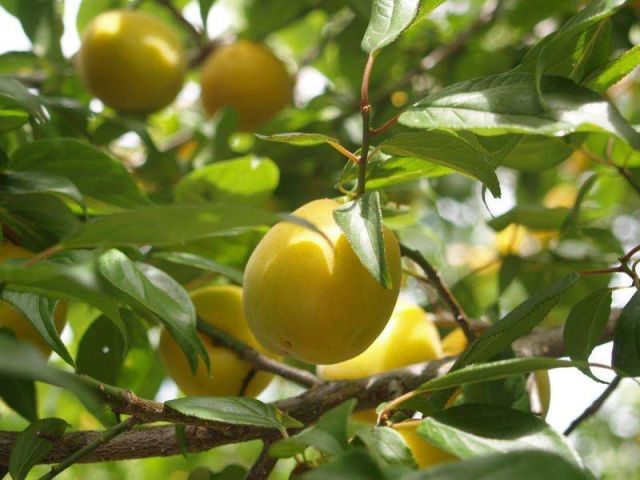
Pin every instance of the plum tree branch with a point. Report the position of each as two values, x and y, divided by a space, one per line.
261 362
595 406
202 435
445 294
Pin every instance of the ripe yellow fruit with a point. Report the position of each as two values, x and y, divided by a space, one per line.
409 337
454 343
14 320
309 296
220 306
132 61
561 195
425 454
250 79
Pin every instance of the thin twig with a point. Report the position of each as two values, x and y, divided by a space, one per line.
445 294
365 110
595 406
351 156
258 360
177 14
263 466
246 381
90 447
374 132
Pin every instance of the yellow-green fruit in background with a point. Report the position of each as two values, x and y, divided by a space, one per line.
409 337
220 306
309 296
454 343
132 61
425 454
14 320
247 77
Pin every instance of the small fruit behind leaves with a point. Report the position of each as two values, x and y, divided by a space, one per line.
309 296
250 79
14 320
132 61
221 307
425 454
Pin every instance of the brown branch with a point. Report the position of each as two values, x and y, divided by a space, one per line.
177 14
261 362
264 465
445 294
308 407
592 409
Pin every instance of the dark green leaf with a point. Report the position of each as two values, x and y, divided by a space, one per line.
101 351
205 6
388 20
12 119
387 447
626 338
15 94
574 214
33 444
180 223
509 270
482 372
536 153
533 217
248 179
509 103
80 162
234 410
352 465
476 430
40 312
20 396
20 183
520 465
328 435
153 291
445 149
197 261
361 222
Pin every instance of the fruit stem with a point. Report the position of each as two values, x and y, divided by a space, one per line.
365 110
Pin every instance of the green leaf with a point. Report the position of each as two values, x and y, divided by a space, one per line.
626 339
180 223
40 312
511 265
155 292
20 396
566 41
300 139
612 72
574 214
234 410
205 6
34 444
535 153
80 163
586 323
446 149
516 323
361 222
388 20
509 103
25 183
354 464
248 179
15 94
483 372
74 277
475 430
386 447
197 261
520 465
19 62
426 7
384 172
328 435
533 217
12 119
101 351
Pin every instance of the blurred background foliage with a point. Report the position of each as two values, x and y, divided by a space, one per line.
449 218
